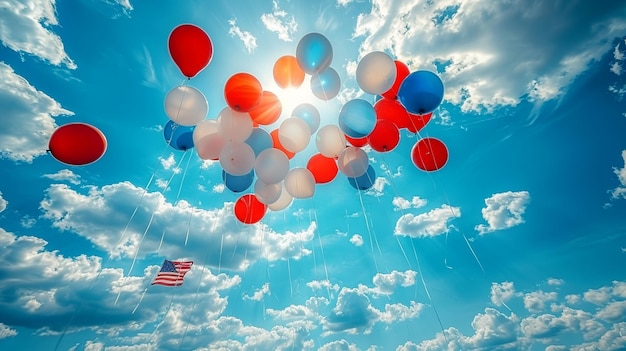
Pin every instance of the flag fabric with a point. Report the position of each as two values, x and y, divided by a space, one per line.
172 273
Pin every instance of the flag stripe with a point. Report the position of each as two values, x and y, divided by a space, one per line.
172 273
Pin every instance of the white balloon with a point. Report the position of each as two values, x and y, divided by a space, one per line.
353 162
283 201
271 166
267 193
237 158
330 141
234 125
376 73
207 140
300 183
186 105
294 134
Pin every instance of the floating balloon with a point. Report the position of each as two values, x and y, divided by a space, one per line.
314 53
357 118
191 49
324 169
429 154
325 85
271 166
208 140
385 136
259 140
268 110
376 73
237 158
267 193
402 71
393 111
353 162
234 125
330 141
421 92
300 183
248 209
294 134
77 144
287 72
283 201
278 145
364 181
177 136
186 105
308 113
417 122
243 92
237 184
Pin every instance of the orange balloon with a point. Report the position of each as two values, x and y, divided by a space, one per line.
242 92
288 73
279 146
268 109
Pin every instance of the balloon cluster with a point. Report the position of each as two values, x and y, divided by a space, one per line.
252 156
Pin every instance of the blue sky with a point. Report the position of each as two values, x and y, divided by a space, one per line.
518 243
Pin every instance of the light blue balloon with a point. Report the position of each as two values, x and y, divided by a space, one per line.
259 140
237 184
314 53
421 92
309 114
326 84
365 181
177 136
357 118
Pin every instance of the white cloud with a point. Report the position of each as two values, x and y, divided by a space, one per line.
400 203
386 284
6 331
25 27
249 41
278 22
378 187
28 119
503 211
620 191
339 345
613 312
64 175
259 294
555 281
502 292
475 43
356 240
432 223
536 301
3 203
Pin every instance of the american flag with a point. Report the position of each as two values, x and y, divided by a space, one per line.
172 273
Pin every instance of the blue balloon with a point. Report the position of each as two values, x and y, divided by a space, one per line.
237 184
326 84
177 136
357 118
421 92
314 53
309 113
259 140
365 181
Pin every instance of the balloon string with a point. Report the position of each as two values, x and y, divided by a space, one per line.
319 239
369 232
195 298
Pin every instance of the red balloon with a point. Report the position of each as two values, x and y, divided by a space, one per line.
324 169
190 48
417 122
385 136
358 142
77 144
393 111
277 145
402 71
268 109
429 154
243 92
287 72
248 209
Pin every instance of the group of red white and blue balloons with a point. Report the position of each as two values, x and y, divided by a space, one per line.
251 155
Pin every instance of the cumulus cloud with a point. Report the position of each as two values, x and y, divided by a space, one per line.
356 240
249 41
400 203
473 44
102 214
28 119
64 175
3 203
259 294
386 284
503 211
620 191
6 331
502 292
536 301
431 223
279 22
